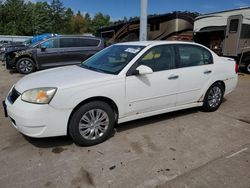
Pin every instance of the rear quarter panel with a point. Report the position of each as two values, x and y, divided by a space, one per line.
225 71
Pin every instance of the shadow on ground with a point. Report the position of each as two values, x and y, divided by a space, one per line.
50 142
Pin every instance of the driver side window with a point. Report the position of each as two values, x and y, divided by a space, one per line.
159 58
52 43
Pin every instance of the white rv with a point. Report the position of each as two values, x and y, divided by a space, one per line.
227 33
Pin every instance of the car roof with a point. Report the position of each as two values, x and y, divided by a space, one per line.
149 43
76 36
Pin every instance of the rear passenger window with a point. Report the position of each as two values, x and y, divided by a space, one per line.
159 58
78 42
191 55
68 42
87 42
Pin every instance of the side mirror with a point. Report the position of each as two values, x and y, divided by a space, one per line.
43 48
143 69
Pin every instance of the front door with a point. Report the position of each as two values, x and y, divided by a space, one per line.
156 91
231 43
49 55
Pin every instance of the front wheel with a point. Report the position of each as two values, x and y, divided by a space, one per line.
92 123
213 98
247 69
25 66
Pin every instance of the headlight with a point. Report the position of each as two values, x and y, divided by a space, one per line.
2 49
39 95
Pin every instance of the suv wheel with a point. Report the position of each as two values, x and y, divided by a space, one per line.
247 68
213 98
92 123
25 66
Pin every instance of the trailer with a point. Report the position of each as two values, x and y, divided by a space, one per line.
227 33
171 26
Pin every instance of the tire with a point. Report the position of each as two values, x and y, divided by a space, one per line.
247 68
92 123
213 98
25 66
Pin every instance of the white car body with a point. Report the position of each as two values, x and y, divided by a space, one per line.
134 96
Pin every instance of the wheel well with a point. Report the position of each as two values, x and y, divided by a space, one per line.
222 83
26 56
103 99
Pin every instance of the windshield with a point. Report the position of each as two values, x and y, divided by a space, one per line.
113 59
27 42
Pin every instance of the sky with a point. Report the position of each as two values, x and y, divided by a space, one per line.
118 9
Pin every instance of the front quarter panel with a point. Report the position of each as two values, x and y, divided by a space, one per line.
69 98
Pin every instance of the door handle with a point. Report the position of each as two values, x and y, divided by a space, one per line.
173 77
207 72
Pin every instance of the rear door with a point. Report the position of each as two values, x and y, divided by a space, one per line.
231 43
195 71
79 49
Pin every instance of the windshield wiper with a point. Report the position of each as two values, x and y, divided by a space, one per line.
92 68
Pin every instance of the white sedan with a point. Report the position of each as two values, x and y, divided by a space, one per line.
121 83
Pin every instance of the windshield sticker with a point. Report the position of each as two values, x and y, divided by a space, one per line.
133 50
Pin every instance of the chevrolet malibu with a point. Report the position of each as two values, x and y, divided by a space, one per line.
121 83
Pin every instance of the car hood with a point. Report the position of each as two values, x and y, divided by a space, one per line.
13 45
63 77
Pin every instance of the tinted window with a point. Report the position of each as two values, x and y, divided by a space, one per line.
68 42
89 42
78 42
245 32
159 58
234 26
52 43
191 55
155 26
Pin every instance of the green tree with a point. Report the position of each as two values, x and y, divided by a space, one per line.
69 15
41 22
100 20
14 12
78 23
88 23
57 15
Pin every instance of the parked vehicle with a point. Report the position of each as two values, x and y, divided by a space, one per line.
3 42
227 33
171 26
14 47
121 83
54 52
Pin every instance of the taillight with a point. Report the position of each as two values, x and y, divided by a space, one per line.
236 67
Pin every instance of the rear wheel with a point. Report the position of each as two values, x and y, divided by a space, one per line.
25 66
92 123
213 97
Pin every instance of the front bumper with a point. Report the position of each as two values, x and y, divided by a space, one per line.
36 120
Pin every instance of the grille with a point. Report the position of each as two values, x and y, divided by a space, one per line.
13 95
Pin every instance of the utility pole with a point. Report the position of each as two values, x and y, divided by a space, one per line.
144 20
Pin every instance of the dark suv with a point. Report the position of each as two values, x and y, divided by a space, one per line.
53 52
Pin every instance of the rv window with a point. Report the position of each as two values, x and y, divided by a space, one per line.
245 32
155 26
234 26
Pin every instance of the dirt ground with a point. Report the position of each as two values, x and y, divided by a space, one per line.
183 149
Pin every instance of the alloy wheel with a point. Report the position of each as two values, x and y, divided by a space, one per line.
93 124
